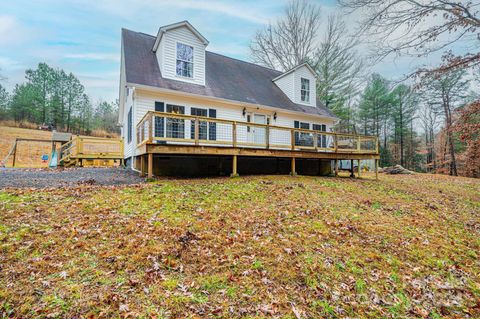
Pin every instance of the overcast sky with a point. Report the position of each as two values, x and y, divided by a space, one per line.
83 37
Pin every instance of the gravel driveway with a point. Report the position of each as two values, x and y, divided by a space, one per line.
41 178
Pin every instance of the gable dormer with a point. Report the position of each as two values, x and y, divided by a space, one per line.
299 84
180 51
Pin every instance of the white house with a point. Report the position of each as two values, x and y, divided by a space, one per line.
173 72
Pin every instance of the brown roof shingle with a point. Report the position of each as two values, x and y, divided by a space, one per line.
226 78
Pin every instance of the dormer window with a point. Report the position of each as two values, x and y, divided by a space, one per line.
184 60
305 90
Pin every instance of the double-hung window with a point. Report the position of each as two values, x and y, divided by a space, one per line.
303 138
202 125
305 90
322 138
175 127
184 60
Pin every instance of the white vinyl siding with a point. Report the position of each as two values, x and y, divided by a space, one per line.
167 55
291 85
286 84
304 73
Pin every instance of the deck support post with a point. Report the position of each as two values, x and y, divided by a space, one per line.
359 169
150 165
142 165
376 169
336 168
352 173
293 172
234 167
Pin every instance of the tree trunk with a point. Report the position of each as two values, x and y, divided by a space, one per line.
402 160
451 147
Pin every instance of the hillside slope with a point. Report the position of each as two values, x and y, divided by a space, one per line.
252 247
29 154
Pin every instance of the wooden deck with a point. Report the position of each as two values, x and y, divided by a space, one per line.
167 133
87 151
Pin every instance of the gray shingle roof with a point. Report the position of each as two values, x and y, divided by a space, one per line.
226 78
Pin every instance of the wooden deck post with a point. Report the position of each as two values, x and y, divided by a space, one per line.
336 168
352 173
234 167
359 169
79 145
196 131
150 128
293 172
234 134
292 138
376 169
142 165
267 137
150 165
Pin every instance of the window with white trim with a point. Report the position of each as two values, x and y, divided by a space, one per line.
305 90
184 60
129 125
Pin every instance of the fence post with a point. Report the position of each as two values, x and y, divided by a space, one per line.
315 141
335 142
234 134
358 143
14 153
196 131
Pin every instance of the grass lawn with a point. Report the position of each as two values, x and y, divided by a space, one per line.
249 247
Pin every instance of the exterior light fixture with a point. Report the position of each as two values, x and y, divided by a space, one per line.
244 111
275 116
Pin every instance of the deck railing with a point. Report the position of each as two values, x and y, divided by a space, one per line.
160 127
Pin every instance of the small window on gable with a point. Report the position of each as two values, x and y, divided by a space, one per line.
184 60
305 90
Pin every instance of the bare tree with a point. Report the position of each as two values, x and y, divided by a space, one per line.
448 91
291 40
420 27
338 65
429 116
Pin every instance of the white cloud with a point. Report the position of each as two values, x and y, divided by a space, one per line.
11 32
238 9
93 56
